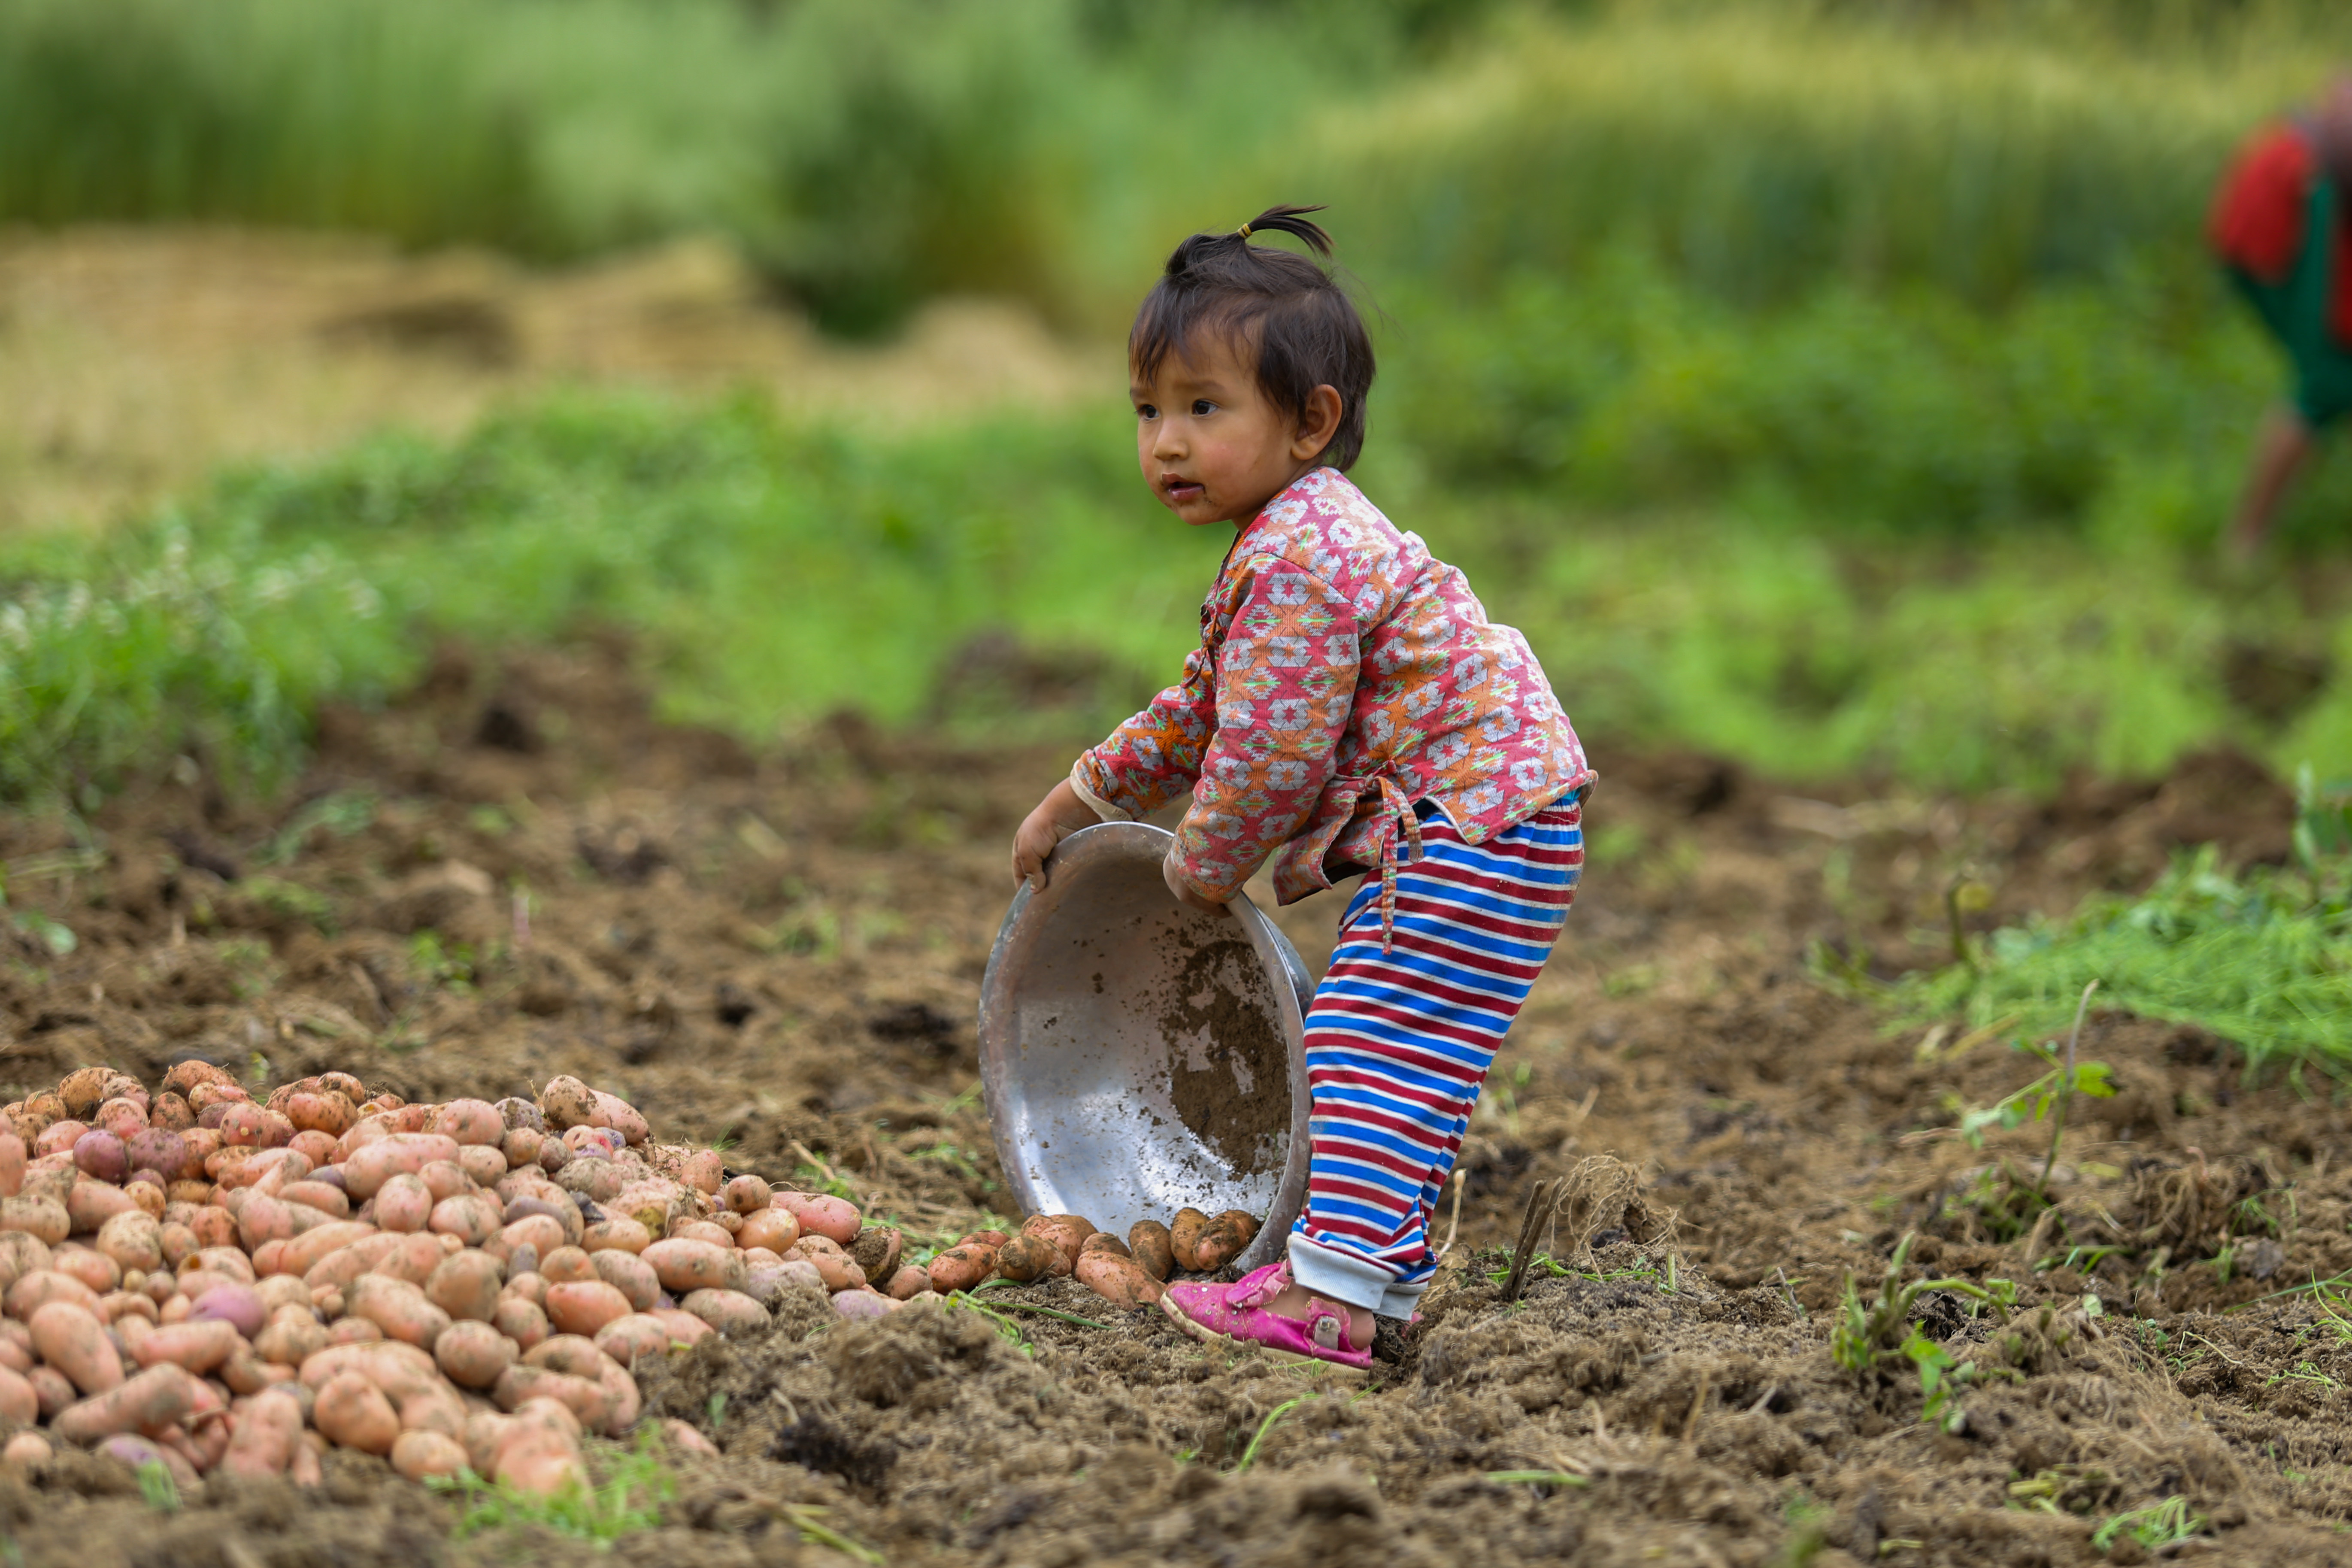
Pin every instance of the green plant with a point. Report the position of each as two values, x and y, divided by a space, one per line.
157 1488
2160 1524
1249 1454
1879 1336
636 1483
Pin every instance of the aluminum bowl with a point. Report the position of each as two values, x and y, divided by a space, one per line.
1138 1056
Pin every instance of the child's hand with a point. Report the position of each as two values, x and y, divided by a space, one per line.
1058 816
1183 890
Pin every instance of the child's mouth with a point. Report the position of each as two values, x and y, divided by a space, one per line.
1180 490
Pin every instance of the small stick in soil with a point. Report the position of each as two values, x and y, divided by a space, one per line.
1542 1204
827 1172
1454 1224
2065 1094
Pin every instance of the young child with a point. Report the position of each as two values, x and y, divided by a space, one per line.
1349 710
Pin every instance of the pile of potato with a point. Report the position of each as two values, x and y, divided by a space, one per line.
193 1279
1127 1273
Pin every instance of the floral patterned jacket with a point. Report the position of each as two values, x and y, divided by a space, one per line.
1343 674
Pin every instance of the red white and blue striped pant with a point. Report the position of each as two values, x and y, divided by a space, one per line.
1399 1042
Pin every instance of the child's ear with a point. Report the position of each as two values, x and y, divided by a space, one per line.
1318 423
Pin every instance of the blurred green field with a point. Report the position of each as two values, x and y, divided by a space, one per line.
870 153
1839 387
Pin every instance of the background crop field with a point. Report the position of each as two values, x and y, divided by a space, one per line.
1839 387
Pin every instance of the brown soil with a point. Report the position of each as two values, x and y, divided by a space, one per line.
1236 1095
516 873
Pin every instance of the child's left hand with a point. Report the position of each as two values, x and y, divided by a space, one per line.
1183 890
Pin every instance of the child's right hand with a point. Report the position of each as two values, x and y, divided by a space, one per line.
1058 816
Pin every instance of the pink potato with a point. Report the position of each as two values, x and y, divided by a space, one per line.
12 1158
731 1313
44 1219
90 1204
618 1235
260 1218
528 1283
1121 1281
683 1326
197 1346
19 1403
307 1251
686 1438
862 1305
747 1195
520 1147
292 1335
397 1154
33 1291
147 1402
717 1236
53 1389
631 1275
93 1268
957 1269
470 1121
353 1412
583 1307
472 1354
522 1321
683 1265
269 1429
626 1339
539 1450
418 1455
910 1281
100 1155
566 1265
322 1197
398 1307
466 1285
836 1219
566 1103
445 1178
239 1306
537 1230
59 1138
584 1398
773 1229
26 1450
403 1203
704 1171
134 1240
472 1217
483 1163
353 1331
618 1114
412 1258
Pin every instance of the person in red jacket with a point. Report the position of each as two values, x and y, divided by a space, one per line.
2284 230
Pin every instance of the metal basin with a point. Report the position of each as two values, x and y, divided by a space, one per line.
1138 1057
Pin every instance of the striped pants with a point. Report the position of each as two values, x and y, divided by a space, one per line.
1398 1044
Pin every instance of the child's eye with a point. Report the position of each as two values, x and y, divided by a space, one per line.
1201 408
1146 411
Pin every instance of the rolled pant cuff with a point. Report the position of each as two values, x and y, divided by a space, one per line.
1342 1277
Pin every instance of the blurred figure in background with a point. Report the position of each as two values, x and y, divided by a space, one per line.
2281 226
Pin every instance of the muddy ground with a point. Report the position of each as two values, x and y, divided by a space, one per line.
516 872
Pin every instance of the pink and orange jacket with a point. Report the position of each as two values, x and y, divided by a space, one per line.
1344 673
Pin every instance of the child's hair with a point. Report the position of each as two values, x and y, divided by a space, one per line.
1306 331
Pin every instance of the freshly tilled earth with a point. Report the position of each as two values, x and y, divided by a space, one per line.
515 872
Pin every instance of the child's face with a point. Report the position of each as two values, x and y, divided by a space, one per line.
1212 446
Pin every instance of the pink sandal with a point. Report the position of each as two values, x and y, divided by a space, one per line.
1237 1314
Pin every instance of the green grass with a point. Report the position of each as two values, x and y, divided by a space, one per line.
636 1483
869 154
1014 579
2262 958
